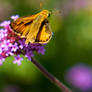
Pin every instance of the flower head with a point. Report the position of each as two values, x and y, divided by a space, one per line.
13 45
80 76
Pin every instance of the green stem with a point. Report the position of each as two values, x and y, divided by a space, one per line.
50 76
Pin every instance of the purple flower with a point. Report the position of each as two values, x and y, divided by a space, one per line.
9 53
17 60
29 54
21 46
1 60
11 88
80 76
12 45
5 23
14 17
1 50
3 33
41 50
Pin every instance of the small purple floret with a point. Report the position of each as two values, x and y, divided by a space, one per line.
5 23
17 60
14 17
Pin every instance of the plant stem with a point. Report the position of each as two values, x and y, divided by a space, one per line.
50 76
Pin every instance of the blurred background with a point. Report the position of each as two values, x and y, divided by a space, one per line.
68 55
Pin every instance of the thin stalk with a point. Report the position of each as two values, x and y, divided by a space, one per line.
50 76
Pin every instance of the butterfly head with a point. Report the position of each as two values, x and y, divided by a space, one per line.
46 13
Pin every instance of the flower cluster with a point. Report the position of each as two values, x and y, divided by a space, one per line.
80 76
12 45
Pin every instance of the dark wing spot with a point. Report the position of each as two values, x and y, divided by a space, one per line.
43 23
28 23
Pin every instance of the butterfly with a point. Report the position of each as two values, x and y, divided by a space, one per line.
35 28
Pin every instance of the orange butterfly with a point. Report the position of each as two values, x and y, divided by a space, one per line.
35 28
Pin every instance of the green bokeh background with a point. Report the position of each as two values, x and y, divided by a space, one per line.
71 44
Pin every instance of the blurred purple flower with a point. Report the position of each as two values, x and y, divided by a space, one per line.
11 88
80 76
13 45
2 60
5 23
75 6
14 17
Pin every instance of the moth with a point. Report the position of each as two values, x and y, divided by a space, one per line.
35 28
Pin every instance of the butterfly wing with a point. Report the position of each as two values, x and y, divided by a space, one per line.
34 29
44 34
21 25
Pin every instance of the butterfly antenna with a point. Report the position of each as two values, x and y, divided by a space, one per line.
55 11
41 5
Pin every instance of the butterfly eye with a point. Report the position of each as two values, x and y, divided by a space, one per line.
49 14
